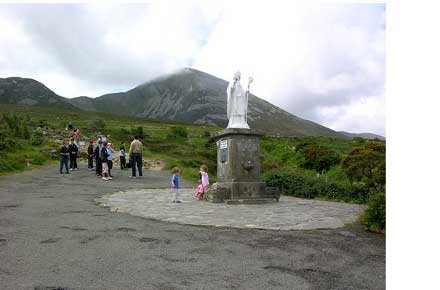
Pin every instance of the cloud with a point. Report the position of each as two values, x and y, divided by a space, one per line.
105 48
306 58
323 62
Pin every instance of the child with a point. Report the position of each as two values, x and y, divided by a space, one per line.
90 155
175 184
64 153
77 134
203 182
104 161
122 156
73 149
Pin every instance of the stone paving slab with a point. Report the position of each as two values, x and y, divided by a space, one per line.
290 213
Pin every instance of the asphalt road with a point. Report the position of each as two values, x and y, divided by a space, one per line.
53 236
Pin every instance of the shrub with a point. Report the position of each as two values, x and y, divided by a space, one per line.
374 216
11 120
37 138
302 185
97 126
37 159
367 163
24 131
139 131
317 158
7 143
178 133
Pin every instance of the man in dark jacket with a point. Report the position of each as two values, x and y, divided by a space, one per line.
64 157
73 150
90 155
98 158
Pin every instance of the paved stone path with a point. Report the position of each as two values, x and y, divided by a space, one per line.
289 213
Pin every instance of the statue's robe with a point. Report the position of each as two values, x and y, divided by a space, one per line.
237 106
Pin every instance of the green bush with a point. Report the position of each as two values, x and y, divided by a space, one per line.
178 133
374 216
139 131
37 138
367 163
318 158
7 143
302 185
97 126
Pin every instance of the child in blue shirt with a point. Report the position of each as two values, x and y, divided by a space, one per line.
175 184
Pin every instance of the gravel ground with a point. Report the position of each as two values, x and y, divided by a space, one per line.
53 236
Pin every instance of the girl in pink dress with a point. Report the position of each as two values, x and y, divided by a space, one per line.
203 182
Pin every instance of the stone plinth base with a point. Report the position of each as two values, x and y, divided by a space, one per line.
238 169
242 192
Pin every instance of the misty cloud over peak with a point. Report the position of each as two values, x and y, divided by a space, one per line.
323 62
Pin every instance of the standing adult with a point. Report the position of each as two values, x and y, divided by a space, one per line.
90 155
73 150
135 154
64 157
98 157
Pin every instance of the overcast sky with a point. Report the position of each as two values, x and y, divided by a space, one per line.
322 62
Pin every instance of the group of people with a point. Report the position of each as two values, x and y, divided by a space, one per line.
69 152
102 154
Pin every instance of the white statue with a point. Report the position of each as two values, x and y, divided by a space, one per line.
237 103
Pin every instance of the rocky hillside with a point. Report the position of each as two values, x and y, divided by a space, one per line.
23 91
195 97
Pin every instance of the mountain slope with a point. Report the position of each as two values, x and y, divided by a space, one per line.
370 136
24 91
187 96
192 96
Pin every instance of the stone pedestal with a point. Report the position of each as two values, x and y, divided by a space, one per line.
238 169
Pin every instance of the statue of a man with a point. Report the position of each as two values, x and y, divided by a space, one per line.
237 103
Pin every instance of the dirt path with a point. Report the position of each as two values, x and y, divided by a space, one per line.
53 236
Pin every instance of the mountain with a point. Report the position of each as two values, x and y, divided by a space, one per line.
23 91
186 96
192 96
370 136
